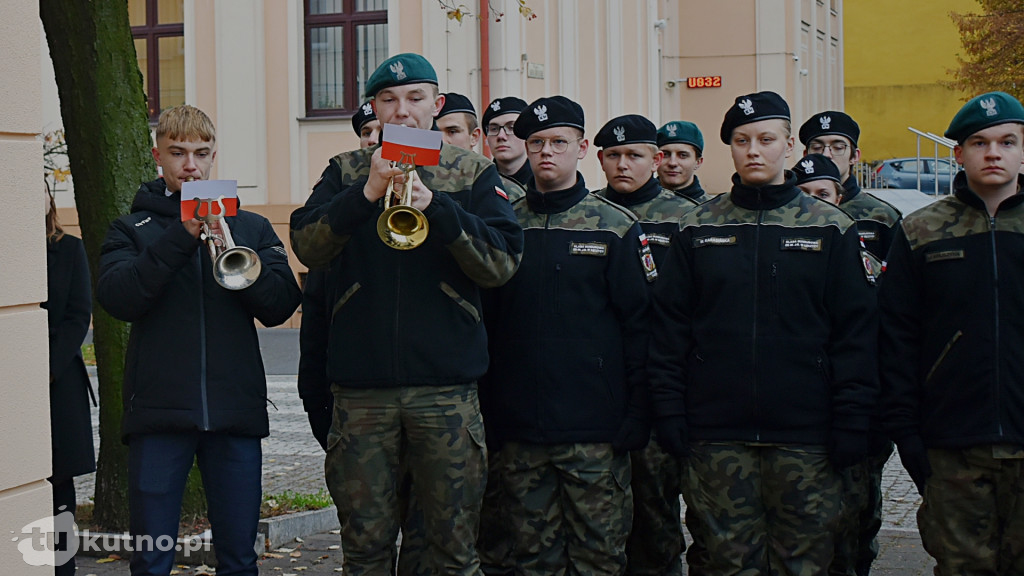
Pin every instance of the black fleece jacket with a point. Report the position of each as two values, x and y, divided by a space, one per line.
193 359
764 324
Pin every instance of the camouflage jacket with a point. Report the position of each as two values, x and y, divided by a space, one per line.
694 192
408 317
658 211
953 322
764 323
876 219
569 331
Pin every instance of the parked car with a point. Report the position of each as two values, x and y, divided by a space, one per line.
903 173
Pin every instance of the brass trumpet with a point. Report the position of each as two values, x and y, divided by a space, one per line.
401 226
234 267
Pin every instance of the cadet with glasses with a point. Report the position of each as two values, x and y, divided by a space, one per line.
508 150
763 372
566 393
834 135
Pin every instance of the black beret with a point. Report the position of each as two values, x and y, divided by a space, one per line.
816 167
454 102
753 108
982 112
399 70
830 123
680 132
546 113
363 115
506 105
628 129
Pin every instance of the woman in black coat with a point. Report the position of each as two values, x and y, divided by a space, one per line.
69 308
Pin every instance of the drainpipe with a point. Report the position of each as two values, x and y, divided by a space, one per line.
485 61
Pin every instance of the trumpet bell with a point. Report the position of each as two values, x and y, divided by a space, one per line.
403 227
237 268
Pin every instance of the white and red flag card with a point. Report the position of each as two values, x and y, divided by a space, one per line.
410 145
204 194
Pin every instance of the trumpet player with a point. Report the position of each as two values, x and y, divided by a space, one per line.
407 344
194 386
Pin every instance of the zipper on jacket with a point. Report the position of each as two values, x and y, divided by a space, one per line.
202 346
995 289
775 288
753 339
397 348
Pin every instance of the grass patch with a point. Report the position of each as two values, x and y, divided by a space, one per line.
287 502
89 354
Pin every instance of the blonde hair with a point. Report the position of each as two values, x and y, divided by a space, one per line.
186 123
54 231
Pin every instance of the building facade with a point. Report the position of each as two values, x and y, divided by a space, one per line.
25 496
280 78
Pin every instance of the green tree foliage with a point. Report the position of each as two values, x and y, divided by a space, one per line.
993 45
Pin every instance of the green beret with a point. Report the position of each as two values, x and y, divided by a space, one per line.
983 112
680 132
400 70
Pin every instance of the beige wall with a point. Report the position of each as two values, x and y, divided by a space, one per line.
24 413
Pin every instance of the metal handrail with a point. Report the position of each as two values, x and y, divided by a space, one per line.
937 141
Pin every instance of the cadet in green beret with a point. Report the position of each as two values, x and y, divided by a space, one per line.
406 342
951 332
683 146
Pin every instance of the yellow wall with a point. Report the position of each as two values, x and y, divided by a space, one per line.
896 55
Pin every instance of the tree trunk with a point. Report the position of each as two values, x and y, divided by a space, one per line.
106 125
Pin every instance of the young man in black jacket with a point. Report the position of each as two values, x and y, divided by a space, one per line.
763 370
407 344
194 386
952 367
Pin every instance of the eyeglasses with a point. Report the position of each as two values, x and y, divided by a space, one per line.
558 145
494 129
837 148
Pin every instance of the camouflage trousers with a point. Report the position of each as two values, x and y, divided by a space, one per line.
445 457
764 509
655 545
972 517
494 543
571 507
860 517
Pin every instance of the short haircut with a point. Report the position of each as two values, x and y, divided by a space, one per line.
186 123
471 121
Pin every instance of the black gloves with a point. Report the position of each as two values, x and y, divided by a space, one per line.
848 447
320 423
673 436
633 435
914 457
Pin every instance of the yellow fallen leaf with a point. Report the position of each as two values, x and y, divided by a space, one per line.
105 560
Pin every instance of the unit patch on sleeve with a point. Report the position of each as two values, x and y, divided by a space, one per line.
873 267
588 248
646 260
801 244
944 255
703 241
659 239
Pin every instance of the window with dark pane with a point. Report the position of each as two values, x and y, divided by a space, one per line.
345 40
159 33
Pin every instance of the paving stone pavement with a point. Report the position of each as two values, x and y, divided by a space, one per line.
293 461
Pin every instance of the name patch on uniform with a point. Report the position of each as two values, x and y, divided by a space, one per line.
868 236
588 249
659 239
801 244
944 255
714 241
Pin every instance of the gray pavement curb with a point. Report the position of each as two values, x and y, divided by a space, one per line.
280 530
